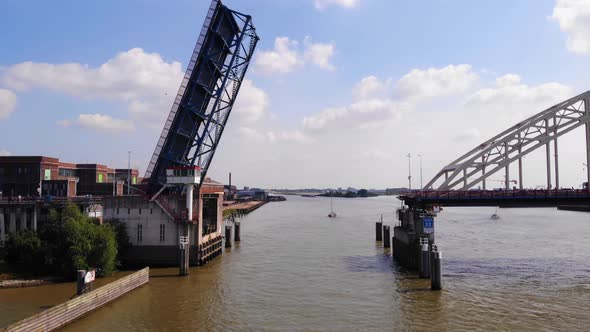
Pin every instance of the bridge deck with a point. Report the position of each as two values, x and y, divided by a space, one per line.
508 198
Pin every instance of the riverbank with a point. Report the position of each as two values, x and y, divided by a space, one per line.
19 283
577 208
11 278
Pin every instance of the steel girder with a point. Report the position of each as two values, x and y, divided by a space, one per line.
511 145
206 95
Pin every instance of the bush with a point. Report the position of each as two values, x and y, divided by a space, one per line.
24 249
68 242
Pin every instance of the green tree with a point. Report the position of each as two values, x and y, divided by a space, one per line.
24 250
123 241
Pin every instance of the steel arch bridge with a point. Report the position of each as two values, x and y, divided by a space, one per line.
499 152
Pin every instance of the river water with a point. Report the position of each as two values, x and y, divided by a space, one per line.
297 270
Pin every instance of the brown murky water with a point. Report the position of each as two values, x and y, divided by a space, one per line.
297 270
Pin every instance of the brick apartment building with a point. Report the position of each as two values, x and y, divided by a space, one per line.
32 176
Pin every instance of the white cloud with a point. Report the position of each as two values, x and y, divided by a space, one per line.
320 119
7 103
436 82
252 102
296 136
370 87
376 100
510 91
5 153
286 56
323 4
129 75
470 134
573 17
319 53
146 82
98 122
282 59
250 133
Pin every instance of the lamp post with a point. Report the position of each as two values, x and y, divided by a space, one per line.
129 173
420 171
409 172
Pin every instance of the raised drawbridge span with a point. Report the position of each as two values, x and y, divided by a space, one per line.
496 154
206 95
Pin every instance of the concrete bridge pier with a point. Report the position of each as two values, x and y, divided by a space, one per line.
12 224
23 219
379 231
413 238
34 220
386 237
2 229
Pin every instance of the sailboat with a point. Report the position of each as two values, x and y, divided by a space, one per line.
332 213
495 215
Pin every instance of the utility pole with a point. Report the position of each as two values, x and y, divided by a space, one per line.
129 173
409 172
421 186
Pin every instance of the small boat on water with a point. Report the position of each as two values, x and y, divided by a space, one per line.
332 214
495 215
307 195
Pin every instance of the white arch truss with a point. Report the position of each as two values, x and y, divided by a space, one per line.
510 146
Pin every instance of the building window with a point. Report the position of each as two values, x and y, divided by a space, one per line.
99 178
139 233
162 232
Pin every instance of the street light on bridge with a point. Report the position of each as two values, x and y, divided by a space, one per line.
409 172
421 186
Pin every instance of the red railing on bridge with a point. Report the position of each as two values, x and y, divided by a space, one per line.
495 194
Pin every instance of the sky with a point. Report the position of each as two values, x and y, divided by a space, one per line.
338 94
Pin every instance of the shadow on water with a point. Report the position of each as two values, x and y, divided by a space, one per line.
413 290
378 263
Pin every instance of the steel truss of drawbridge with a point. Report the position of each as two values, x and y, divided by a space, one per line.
508 147
206 95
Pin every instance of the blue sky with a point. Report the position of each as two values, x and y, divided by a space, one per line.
299 123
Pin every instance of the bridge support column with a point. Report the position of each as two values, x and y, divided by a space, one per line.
386 237
23 219
520 184
465 179
435 269
548 156
507 180
424 266
483 172
237 232
12 225
587 106
556 154
227 236
2 229
34 220
184 249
